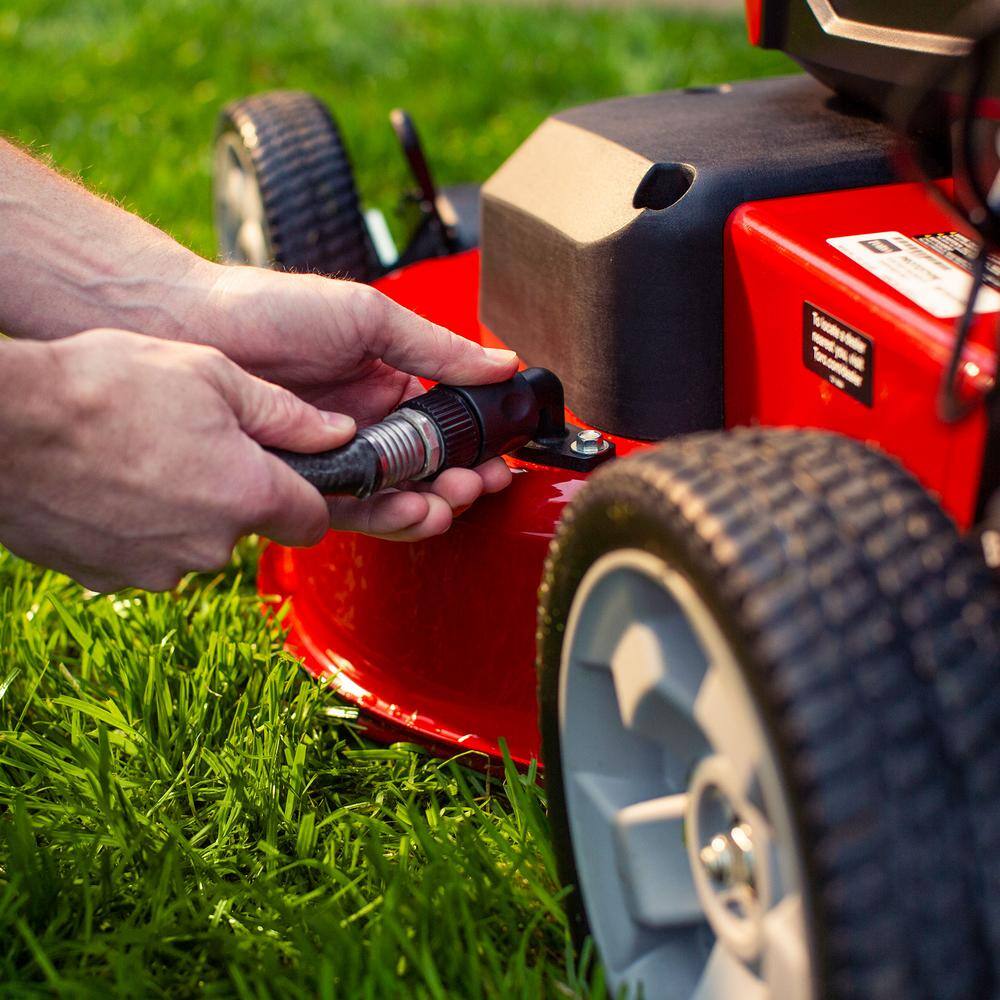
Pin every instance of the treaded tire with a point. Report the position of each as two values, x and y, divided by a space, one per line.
868 634
947 602
313 215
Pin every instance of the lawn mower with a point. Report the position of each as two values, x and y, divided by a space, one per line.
741 595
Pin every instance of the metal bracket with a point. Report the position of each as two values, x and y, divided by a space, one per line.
560 453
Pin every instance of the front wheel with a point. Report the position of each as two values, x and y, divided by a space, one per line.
748 779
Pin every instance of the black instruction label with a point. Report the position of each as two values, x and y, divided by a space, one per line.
838 353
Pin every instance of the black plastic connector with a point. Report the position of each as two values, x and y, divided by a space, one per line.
507 414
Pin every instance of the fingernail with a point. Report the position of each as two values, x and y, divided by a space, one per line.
338 421
501 356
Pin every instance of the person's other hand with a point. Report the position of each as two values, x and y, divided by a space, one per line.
347 348
129 461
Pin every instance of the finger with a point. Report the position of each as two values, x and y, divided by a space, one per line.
294 513
458 487
437 522
381 515
416 345
397 516
495 474
275 417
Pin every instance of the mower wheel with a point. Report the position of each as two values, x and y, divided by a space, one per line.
751 765
284 189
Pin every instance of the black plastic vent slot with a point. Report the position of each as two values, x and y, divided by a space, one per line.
664 185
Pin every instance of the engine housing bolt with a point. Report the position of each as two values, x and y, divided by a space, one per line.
589 443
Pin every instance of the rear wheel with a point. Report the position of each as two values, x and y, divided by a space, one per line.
749 776
284 188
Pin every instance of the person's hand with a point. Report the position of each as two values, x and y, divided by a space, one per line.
73 261
129 461
347 348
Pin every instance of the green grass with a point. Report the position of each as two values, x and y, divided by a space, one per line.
182 812
185 813
126 94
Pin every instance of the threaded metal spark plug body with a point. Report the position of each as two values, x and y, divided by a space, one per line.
407 445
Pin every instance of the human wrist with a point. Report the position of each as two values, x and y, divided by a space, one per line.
161 292
235 311
168 296
213 317
31 387
25 367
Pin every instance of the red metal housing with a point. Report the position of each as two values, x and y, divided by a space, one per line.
777 259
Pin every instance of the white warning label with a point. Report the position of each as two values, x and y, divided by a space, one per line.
930 280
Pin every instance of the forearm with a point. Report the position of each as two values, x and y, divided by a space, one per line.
70 260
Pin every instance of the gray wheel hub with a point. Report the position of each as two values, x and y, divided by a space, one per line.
240 220
682 834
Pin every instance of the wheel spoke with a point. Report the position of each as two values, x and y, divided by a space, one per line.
233 191
596 800
250 242
657 669
595 746
251 206
729 728
786 958
654 655
653 862
605 796
726 978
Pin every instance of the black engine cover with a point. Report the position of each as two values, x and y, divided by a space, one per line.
602 236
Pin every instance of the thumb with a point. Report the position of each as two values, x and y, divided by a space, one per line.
419 347
277 418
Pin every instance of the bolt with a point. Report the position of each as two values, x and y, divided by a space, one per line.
717 857
728 858
589 443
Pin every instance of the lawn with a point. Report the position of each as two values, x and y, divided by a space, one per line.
182 812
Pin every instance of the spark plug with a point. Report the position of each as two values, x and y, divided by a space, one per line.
447 427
